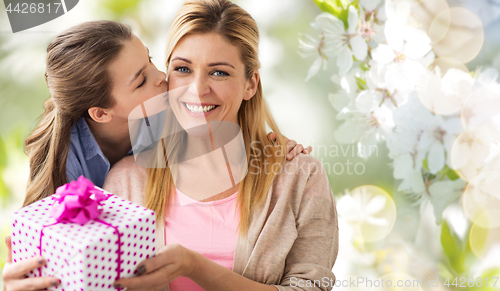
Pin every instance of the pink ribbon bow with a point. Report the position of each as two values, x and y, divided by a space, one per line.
75 202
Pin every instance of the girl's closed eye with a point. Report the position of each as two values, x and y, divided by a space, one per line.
143 82
145 78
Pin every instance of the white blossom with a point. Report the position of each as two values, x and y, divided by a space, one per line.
403 57
365 123
348 41
361 207
437 140
412 120
322 47
447 94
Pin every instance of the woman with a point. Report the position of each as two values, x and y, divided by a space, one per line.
286 223
97 72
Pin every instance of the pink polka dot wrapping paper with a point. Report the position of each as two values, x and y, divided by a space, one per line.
85 257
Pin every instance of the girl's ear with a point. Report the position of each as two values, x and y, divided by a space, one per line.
252 85
100 115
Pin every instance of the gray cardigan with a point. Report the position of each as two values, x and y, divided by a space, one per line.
293 239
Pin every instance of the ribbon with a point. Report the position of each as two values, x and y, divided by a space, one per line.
75 204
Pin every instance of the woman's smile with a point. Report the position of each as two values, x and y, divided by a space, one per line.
199 109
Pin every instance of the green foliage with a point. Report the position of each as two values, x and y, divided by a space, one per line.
459 259
119 8
425 164
446 171
4 192
11 153
452 247
364 66
338 8
4 232
333 7
452 175
361 84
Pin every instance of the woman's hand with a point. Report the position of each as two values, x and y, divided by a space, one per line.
14 274
292 148
155 273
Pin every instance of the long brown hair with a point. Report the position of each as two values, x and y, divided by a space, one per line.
239 28
78 79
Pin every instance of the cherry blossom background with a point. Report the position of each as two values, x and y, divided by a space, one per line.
401 81
399 99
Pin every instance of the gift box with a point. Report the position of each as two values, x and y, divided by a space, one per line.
88 237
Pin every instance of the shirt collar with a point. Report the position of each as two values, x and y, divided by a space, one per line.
89 144
87 139
184 199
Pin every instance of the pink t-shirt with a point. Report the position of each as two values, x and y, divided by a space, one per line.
208 228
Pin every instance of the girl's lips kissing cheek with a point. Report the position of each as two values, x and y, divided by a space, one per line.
199 110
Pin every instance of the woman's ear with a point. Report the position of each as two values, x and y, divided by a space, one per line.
100 115
252 85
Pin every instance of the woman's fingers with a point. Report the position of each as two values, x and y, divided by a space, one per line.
37 283
297 150
21 268
307 150
170 254
172 261
151 280
8 242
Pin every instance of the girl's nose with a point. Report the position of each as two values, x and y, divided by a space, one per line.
161 78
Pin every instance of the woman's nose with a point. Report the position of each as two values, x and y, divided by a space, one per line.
201 86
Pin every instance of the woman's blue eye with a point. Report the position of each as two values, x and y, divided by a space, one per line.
221 73
182 69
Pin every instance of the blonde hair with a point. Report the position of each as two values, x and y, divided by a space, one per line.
78 79
239 29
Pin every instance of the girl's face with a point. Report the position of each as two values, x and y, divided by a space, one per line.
135 79
214 75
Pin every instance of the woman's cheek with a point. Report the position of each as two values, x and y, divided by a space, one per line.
177 80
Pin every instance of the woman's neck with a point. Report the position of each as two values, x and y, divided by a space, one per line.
112 137
206 172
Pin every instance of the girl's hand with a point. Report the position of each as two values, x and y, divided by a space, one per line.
155 273
292 148
14 274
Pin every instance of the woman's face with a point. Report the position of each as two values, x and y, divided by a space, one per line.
214 75
135 78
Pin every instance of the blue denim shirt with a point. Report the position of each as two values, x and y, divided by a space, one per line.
85 156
